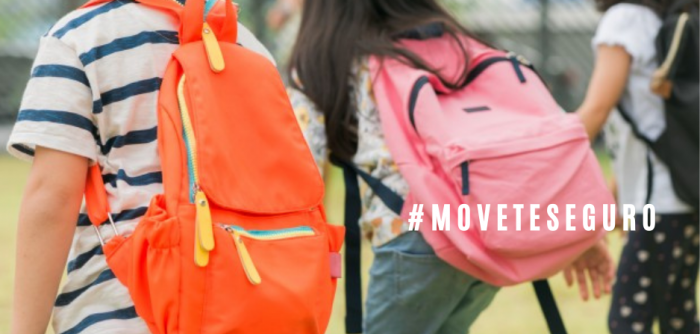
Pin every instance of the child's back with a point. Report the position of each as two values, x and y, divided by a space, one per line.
93 93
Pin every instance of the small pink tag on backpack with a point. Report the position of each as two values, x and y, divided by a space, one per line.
335 265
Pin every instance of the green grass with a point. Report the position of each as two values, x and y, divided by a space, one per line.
13 175
515 309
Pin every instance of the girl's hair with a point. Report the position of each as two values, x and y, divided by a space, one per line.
334 34
659 6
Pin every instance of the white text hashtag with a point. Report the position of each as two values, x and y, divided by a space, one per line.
416 217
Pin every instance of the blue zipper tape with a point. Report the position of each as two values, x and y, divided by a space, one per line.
270 232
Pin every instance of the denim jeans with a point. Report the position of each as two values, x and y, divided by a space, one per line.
412 291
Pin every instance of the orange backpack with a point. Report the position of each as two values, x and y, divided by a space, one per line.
238 242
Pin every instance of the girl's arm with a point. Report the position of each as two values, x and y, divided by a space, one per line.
612 66
47 221
594 269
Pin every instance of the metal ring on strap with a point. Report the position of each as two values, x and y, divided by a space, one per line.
114 228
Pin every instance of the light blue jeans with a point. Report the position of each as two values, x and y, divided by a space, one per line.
412 291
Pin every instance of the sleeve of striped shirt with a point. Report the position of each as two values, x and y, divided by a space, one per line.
56 109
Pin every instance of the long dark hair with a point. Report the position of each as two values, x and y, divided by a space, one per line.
659 6
335 33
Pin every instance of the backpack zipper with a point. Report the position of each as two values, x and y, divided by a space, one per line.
246 261
204 233
267 235
516 61
211 46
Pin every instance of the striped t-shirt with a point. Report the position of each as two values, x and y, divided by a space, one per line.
93 92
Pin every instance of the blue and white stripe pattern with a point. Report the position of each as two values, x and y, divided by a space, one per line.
93 92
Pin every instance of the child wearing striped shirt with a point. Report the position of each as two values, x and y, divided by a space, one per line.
91 98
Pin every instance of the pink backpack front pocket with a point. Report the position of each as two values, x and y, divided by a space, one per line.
508 185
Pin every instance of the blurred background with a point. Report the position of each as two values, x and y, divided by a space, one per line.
554 34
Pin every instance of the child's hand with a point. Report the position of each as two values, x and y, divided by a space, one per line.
600 268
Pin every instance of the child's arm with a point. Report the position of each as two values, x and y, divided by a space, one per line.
47 221
612 66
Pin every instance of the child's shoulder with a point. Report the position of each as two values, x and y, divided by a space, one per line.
631 26
626 13
115 17
123 23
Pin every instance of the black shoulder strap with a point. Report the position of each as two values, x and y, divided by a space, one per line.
549 307
389 197
637 133
635 129
353 238
353 283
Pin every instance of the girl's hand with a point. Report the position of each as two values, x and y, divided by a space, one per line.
595 265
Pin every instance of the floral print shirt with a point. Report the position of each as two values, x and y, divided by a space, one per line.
377 221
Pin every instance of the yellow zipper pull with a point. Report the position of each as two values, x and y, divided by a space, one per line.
246 261
201 256
211 45
205 228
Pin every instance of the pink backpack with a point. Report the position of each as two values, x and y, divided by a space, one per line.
502 139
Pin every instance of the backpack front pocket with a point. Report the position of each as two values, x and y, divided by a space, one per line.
557 175
285 272
247 262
